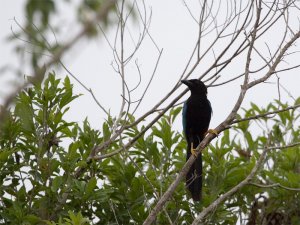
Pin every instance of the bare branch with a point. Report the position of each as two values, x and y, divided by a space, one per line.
84 86
243 183
39 73
222 198
230 117
274 186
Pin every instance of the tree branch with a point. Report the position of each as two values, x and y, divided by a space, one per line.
274 185
266 114
222 198
245 182
55 58
246 86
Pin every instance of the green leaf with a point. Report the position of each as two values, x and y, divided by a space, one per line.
174 113
91 185
106 131
255 108
56 183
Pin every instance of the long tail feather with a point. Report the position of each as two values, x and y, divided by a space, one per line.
194 176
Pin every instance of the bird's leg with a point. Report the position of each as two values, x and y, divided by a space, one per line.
211 131
193 150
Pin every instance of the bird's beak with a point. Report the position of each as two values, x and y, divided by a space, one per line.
186 82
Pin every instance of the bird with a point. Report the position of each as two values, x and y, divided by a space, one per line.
196 116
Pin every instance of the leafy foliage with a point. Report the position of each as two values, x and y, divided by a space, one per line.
38 35
40 152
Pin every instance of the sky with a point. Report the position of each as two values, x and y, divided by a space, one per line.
173 30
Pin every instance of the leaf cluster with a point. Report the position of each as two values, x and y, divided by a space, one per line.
40 152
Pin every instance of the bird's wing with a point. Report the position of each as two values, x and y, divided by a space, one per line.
210 106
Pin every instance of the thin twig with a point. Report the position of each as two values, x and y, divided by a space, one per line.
274 186
151 217
39 73
266 114
235 189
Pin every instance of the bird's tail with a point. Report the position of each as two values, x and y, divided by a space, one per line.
194 176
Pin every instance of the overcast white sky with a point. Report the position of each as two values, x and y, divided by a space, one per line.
172 29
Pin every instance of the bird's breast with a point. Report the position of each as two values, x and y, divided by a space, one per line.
198 115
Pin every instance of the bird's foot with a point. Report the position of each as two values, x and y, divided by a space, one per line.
212 131
193 150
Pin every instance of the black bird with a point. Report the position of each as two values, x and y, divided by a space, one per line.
196 115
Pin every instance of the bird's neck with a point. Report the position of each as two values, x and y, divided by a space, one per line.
198 95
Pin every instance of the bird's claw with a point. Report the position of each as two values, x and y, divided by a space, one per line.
193 150
212 131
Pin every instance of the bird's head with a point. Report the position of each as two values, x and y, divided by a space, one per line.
196 86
